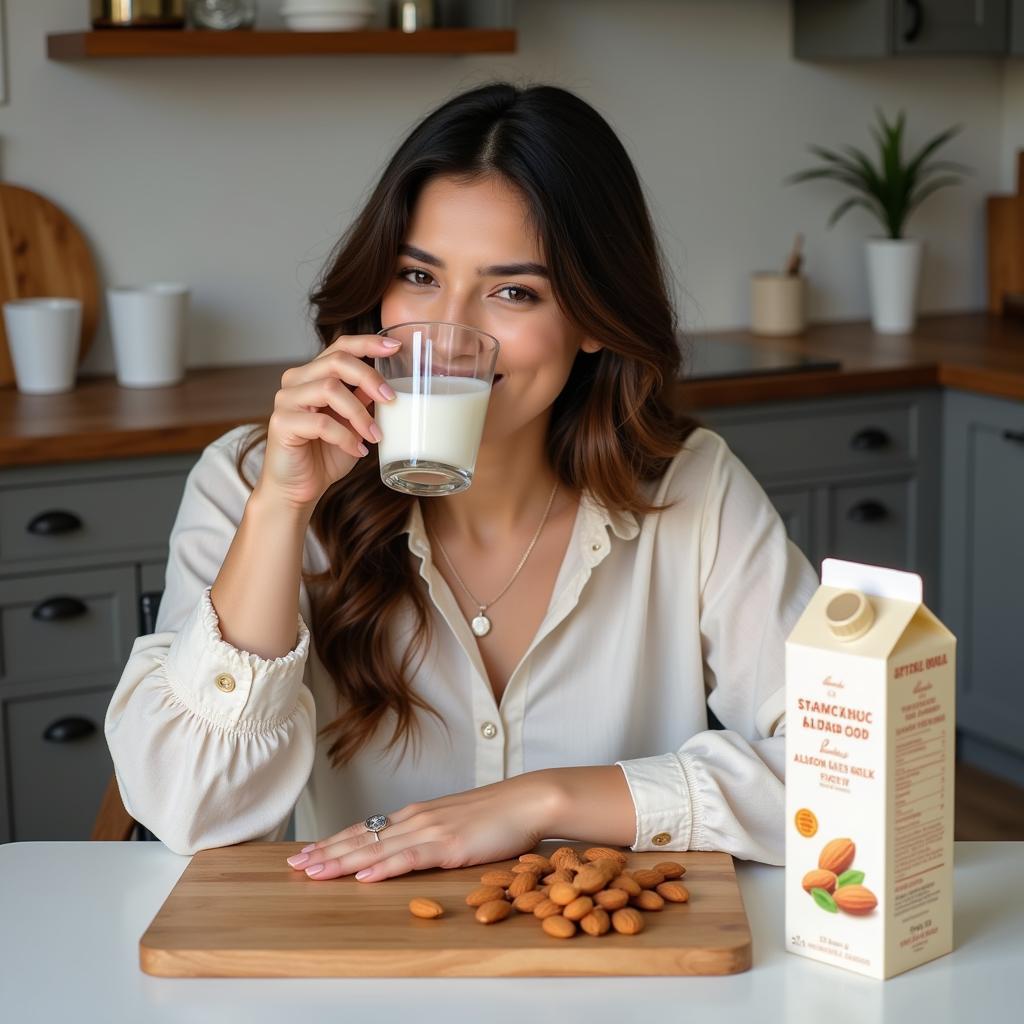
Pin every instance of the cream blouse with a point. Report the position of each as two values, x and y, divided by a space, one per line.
650 623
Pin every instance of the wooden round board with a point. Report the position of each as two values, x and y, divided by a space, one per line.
42 253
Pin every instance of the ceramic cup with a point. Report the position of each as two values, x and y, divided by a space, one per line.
43 336
776 303
147 325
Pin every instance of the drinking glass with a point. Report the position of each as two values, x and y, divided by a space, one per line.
431 430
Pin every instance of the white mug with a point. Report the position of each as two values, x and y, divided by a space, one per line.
147 327
43 336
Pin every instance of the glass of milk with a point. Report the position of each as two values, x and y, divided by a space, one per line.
442 378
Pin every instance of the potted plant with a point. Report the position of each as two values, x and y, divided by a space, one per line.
890 190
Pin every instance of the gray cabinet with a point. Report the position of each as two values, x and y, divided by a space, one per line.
855 478
983 582
79 542
840 29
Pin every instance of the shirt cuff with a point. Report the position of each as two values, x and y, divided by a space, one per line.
665 800
228 686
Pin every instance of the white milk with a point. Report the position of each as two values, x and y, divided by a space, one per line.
444 426
870 731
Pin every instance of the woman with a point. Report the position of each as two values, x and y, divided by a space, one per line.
632 571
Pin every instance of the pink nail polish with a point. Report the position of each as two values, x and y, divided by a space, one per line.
365 873
315 869
298 860
306 849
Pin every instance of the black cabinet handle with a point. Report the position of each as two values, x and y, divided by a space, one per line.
1014 435
56 608
67 730
916 13
868 512
870 439
49 524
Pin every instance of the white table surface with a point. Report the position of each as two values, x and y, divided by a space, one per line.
71 915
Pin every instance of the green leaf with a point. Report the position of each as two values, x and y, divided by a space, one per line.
850 877
929 147
825 901
849 204
926 190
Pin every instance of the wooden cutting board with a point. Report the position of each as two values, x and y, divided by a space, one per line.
240 911
42 253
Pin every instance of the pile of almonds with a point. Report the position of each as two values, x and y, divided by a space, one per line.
594 892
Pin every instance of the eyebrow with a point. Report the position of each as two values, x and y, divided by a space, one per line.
498 270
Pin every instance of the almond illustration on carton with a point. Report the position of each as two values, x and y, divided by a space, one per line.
837 855
819 879
855 899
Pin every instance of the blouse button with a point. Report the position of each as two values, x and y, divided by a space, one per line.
661 839
225 682
488 730
595 547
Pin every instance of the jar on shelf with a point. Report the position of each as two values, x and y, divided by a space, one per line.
222 15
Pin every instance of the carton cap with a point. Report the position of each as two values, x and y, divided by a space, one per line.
849 615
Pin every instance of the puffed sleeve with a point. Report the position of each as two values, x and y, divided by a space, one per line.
211 745
724 789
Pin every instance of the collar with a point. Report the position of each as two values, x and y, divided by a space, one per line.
593 523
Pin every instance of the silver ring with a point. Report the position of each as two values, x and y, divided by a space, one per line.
376 823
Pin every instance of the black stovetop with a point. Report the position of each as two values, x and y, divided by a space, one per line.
706 358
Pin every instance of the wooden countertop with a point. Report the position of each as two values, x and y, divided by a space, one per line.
99 420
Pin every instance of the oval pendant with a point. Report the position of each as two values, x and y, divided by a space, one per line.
481 625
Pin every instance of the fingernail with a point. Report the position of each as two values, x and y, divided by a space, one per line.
363 450
315 869
387 392
365 873
298 860
375 432
391 343
306 849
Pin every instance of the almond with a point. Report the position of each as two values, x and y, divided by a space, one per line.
579 908
523 867
493 911
628 921
626 882
605 853
546 908
484 894
527 903
542 864
563 893
420 906
837 855
597 922
566 857
674 892
497 877
819 878
559 927
855 899
670 869
648 900
559 875
612 899
648 878
522 883
596 875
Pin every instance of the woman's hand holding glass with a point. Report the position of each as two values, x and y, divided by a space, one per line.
322 420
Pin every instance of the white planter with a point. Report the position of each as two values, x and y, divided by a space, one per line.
894 272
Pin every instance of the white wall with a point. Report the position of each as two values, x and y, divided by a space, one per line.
237 175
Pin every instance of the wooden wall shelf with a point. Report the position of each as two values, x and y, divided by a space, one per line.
131 42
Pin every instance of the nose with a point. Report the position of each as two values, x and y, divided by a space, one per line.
458 309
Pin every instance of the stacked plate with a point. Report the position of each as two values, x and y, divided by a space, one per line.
327 15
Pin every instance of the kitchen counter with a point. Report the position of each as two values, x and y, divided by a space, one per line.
99 420
73 914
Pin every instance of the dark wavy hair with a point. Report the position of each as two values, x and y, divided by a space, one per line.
613 427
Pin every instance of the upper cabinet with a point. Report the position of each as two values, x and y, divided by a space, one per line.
840 29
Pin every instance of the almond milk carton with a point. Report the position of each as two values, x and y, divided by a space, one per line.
870 694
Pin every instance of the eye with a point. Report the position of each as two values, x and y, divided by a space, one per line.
518 294
417 276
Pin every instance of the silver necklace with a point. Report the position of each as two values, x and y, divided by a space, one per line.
481 624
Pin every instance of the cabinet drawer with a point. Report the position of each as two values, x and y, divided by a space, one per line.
74 518
59 763
794 441
870 522
68 623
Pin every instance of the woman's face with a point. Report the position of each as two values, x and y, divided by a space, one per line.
471 257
